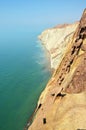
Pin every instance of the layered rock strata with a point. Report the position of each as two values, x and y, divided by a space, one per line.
56 41
62 105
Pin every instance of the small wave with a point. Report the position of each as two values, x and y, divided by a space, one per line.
41 62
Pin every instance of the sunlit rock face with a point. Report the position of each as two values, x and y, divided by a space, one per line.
62 105
56 41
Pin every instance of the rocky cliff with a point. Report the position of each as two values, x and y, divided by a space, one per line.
62 105
56 41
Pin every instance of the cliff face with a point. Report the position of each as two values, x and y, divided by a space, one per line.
62 105
56 41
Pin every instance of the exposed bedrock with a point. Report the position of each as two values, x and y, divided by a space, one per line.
62 104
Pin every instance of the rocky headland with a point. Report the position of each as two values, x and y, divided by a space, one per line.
56 41
62 104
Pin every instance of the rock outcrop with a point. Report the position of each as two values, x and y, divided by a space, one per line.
56 41
62 105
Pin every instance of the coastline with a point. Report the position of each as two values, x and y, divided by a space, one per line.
60 100
55 41
48 55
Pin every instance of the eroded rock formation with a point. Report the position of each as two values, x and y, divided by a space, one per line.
56 41
62 105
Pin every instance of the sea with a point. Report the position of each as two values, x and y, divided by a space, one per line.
24 73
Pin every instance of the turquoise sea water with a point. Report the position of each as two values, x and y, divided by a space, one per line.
23 75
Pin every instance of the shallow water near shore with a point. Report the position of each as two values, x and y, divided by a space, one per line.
23 75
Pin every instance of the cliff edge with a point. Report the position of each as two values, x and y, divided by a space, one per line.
62 105
56 41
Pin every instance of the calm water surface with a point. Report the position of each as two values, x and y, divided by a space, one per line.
23 75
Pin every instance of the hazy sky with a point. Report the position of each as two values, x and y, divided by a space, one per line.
39 12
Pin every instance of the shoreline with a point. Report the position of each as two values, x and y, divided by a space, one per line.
55 41
48 55
63 98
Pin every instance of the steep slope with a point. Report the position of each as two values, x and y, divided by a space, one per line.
62 105
56 41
